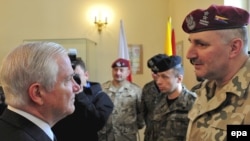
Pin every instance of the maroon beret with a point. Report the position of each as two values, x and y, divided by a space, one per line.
120 62
214 18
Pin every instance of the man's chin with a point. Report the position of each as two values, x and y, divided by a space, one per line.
71 110
119 79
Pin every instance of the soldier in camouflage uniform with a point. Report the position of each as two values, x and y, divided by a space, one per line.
126 118
218 51
170 113
150 97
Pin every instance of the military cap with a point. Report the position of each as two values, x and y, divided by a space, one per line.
154 60
120 62
166 63
215 17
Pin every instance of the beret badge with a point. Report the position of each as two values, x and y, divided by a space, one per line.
190 22
120 63
204 21
160 63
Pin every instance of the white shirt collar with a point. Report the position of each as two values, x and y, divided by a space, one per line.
43 125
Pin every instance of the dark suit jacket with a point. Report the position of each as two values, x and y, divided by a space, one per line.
2 98
14 127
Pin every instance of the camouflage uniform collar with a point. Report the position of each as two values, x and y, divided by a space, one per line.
125 85
240 82
181 100
236 86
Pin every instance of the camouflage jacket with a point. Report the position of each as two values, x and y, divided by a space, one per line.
228 105
172 121
126 118
150 97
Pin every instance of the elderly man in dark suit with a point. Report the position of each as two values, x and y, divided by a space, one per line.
39 89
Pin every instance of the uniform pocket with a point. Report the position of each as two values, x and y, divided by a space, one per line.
177 125
228 119
218 128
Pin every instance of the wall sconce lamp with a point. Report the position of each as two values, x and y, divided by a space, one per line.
100 23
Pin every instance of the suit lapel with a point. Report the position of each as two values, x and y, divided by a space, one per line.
29 127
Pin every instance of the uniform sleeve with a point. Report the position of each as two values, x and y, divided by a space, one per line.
143 107
140 118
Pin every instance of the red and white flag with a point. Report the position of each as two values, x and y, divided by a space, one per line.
123 48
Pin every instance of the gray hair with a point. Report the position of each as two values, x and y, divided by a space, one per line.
26 64
229 34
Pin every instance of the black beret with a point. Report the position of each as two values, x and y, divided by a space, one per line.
167 63
154 60
215 17
120 62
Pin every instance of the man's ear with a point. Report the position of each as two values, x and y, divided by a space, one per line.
86 73
180 78
35 93
236 46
